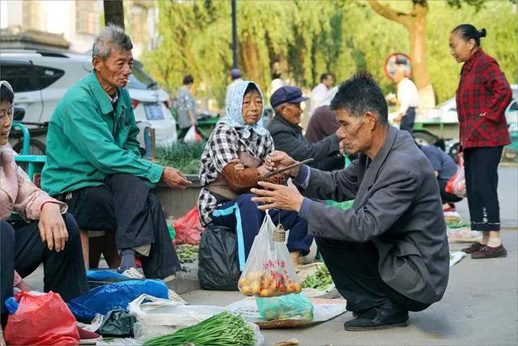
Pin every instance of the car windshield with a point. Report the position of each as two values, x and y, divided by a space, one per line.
139 79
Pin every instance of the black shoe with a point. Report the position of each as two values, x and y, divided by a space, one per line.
490 252
357 313
385 316
476 246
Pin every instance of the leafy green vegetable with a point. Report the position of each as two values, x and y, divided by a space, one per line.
187 253
223 329
320 280
182 156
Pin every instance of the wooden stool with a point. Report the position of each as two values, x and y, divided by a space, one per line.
106 246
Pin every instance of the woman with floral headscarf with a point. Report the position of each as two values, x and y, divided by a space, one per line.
232 164
45 235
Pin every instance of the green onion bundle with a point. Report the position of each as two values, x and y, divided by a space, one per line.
223 329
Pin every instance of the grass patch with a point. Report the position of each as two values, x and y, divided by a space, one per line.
182 156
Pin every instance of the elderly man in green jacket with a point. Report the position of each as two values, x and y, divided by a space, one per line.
94 164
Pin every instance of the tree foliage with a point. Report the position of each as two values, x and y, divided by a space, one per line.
302 39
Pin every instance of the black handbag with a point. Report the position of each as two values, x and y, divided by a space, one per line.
218 267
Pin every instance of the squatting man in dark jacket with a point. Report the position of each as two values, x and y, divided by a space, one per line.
388 254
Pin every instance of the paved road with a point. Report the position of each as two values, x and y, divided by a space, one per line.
507 194
480 307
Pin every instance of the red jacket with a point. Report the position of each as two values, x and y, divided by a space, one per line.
482 97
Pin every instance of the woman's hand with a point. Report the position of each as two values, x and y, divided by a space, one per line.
278 196
238 167
52 227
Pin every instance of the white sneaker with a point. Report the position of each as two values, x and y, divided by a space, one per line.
133 273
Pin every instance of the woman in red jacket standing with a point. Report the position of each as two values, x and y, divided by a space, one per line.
482 97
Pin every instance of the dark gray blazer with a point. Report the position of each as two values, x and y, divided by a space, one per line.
397 206
289 138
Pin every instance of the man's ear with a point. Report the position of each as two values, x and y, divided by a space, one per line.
371 119
96 62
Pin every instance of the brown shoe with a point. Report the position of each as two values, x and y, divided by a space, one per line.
490 252
476 246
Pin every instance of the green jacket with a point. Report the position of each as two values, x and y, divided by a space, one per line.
88 139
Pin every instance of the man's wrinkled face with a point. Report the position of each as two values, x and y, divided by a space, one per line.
292 112
6 110
116 69
252 107
358 138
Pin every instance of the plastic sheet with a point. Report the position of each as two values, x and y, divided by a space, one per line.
117 323
117 296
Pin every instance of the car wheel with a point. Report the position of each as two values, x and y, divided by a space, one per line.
36 147
424 138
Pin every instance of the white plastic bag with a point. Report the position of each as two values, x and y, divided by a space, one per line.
192 136
163 312
269 270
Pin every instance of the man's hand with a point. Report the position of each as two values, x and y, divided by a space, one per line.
391 98
278 196
173 178
398 118
340 133
52 227
279 160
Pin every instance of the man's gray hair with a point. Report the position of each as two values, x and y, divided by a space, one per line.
112 37
278 108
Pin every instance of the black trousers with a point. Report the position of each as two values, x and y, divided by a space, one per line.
127 205
354 269
481 170
22 249
447 197
407 121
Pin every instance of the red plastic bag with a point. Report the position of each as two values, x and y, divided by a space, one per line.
457 184
41 320
188 228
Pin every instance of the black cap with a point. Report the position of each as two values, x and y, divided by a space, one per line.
287 94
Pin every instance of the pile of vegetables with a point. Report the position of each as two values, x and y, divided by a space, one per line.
268 284
223 329
457 224
321 280
182 156
187 253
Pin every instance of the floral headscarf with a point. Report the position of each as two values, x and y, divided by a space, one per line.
234 111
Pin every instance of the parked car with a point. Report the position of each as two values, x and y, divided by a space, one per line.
41 78
440 126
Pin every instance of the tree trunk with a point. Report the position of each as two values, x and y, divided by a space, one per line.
415 23
250 59
114 13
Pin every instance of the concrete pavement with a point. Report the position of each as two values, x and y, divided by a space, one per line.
480 307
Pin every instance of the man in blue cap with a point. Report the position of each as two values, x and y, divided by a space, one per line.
287 134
